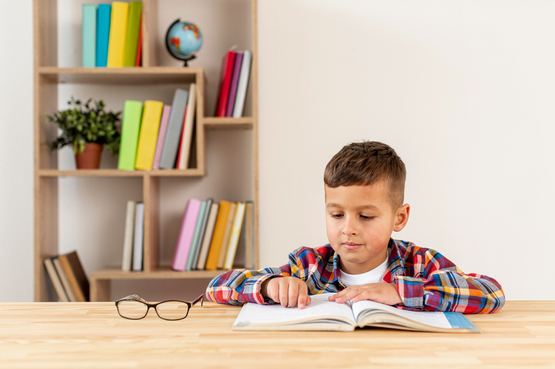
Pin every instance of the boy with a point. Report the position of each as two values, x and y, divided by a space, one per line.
364 195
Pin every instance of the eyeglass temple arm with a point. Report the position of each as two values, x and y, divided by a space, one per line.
200 298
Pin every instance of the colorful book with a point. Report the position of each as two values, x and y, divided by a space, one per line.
173 133
243 84
209 203
65 282
227 235
249 236
218 235
234 238
186 233
132 33
196 236
234 82
128 237
118 33
187 132
88 27
227 74
161 134
103 19
150 125
76 275
138 61
130 128
55 279
138 237
207 239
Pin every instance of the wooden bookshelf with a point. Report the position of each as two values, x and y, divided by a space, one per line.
49 76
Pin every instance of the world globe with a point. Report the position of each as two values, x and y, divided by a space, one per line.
183 40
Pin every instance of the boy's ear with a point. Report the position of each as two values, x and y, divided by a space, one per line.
401 217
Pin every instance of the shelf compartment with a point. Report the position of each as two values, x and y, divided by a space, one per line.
120 173
113 273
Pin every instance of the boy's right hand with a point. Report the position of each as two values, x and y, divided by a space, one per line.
287 291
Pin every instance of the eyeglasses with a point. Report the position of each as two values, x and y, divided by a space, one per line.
135 307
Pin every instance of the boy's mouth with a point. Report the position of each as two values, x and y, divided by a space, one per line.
351 245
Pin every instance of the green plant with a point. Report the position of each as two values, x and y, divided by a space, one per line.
86 123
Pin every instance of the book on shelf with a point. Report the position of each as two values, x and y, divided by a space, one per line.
218 235
161 134
130 129
203 233
88 35
196 236
128 237
226 76
173 132
242 85
138 237
150 124
234 237
138 58
324 315
55 279
118 28
186 232
73 270
63 278
132 33
103 19
187 129
234 83
227 234
207 239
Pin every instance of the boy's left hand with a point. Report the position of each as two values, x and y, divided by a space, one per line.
384 293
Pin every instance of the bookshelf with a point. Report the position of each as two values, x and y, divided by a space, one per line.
50 78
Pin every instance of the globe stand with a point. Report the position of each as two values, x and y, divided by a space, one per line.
184 59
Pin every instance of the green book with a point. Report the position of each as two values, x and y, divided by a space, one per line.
196 236
89 35
133 29
130 128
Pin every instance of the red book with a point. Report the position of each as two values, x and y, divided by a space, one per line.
227 74
139 46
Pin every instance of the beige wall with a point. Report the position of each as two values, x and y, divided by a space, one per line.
463 90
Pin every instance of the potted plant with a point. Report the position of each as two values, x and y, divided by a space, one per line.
87 127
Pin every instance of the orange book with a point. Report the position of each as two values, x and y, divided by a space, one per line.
227 234
217 238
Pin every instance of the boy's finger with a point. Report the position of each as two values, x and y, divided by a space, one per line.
293 295
303 295
283 292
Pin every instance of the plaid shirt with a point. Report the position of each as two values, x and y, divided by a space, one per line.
425 280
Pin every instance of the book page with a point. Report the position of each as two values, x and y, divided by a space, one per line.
319 308
431 318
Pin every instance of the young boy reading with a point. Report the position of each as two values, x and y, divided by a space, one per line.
364 199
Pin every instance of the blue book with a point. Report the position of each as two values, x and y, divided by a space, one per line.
89 35
104 14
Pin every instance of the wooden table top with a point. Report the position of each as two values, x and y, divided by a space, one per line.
92 335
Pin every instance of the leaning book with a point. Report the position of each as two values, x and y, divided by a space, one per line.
324 315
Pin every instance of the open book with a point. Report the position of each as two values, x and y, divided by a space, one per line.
324 315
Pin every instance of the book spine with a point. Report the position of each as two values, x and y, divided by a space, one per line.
138 237
227 234
103 19
186 235
217 237
150 125
118 28
226 83
132 33
161 135
234 83
207 239
89 35
130 128
234 238
65 282
173 133
196 235
55 278
128 237
243 84
187 129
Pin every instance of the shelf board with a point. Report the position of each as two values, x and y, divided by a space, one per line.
134 75
213 123
119 173
112 273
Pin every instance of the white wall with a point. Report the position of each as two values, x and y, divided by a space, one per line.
462 90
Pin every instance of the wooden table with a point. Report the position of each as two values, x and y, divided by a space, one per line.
92 335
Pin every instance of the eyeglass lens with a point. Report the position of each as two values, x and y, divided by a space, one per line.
132 309
172 310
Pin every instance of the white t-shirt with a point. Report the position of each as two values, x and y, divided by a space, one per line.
373 276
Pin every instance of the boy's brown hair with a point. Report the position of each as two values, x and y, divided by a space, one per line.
365 163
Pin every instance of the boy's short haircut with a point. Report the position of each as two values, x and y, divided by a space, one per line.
365 163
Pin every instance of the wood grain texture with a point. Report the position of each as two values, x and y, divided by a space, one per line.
92 335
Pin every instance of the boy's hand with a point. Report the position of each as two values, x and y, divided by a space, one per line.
384 293
287 291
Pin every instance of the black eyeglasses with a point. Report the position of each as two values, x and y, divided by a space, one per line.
135 307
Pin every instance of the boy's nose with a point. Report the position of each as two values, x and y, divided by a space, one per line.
348 228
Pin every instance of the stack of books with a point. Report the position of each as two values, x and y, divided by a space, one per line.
234 82
157 136
112 34
68 277
133 241
211 234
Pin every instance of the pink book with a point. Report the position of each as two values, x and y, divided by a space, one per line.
186 235
161 135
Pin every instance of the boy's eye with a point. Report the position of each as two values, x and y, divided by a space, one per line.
336 216
366 217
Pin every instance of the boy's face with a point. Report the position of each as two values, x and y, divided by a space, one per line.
359 223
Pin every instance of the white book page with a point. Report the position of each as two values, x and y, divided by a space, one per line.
431 318
319 307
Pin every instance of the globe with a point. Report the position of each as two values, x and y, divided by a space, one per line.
183 40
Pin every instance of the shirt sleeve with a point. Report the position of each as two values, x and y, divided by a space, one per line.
439 285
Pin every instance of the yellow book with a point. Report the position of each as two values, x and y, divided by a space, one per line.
234 238
118 32
149 134
227 234
217 238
